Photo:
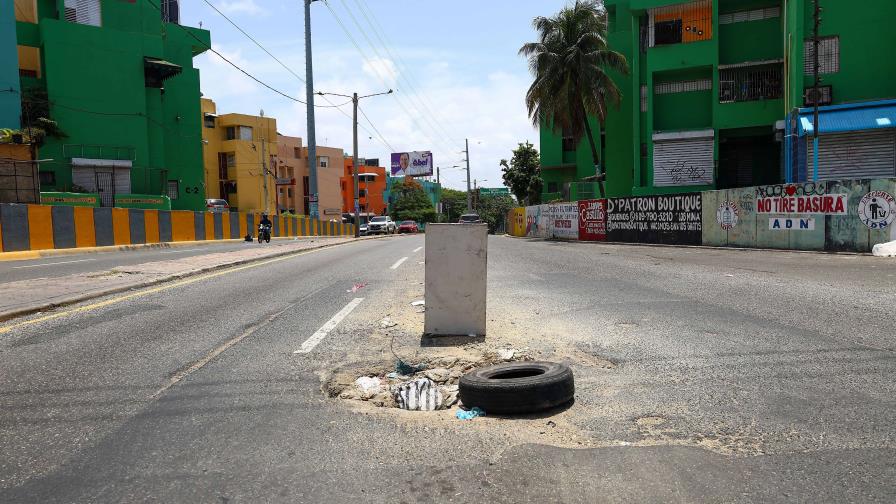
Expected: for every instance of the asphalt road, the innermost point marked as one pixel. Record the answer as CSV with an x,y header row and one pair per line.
x,y
732,377
89,262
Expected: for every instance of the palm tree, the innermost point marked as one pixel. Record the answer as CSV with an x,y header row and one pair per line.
x,y
569,64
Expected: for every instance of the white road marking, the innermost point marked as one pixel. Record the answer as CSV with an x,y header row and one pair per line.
x,y
398,262
53,263
418,249
331,324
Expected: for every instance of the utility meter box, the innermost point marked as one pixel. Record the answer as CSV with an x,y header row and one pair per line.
x,y
456,271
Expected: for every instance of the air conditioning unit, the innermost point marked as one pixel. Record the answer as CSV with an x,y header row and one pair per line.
x,y
825,96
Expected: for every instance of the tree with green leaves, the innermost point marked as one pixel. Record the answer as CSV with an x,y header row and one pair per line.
x,y
493,209
411,202
570,64
454,204
523,174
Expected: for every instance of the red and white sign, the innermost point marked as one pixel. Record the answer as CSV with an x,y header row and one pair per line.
x,y
593,220
826,204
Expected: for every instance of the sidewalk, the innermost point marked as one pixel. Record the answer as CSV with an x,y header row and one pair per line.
x,y
30,296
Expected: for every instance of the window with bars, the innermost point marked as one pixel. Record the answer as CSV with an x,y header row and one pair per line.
x,y
828,55
208,120
323,161
173,189
238,133
643,97
740,83
85,12
682,86
569,143
750,15
226,160
680,24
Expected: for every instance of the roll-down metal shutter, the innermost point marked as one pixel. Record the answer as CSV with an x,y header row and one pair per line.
x,y
683,159
855,155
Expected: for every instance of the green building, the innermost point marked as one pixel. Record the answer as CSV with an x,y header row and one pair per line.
x,y
118,78
10,104
720,92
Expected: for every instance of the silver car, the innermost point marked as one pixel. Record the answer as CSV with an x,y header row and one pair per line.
x,y
217,205
381,224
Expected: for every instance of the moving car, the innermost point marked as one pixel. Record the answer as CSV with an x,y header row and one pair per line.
x,y
217,205
381,224
469,219
408,226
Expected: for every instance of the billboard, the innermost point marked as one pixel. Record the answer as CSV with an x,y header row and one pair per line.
x,y
413,164
593,220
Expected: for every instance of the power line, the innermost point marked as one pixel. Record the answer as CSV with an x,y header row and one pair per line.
x,y
376,72
288,69
377,29
374,127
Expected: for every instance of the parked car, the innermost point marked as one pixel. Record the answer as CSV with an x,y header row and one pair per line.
x,y
217,205
469,219
408,226
381,224
363,231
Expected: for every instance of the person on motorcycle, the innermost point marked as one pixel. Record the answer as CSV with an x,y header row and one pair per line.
x,y
265,221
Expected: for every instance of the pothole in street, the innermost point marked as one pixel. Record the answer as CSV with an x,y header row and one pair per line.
x,y
430,381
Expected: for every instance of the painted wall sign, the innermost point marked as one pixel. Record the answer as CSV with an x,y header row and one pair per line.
x,y
827,204
564,220
877,209
672,219
727,215
593,220
791,224
537,221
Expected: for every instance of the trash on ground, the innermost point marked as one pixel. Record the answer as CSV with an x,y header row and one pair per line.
x,y
387,323
450,395
469,414
369,386
392,376
421,394
403,368
356,287
884,249
438,375
418,303
518,387
506,354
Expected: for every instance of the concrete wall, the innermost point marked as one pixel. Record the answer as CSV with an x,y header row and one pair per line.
x,y
40,227
851,215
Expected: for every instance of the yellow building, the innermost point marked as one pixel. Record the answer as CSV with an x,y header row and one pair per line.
x,y
239,153
292,174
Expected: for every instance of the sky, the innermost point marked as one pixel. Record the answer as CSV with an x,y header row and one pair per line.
x,y
453,66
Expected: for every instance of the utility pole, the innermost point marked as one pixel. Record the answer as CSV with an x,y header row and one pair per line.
x,y
469,194
355,99
309,94
816,42
264,168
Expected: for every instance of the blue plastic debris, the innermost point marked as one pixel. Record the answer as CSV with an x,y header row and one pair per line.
x,y
469,414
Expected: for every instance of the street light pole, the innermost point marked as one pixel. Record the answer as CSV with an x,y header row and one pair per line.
x,y
309,94
469,195
355,99
264,169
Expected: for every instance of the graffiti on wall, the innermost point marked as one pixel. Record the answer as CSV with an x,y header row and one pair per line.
x,y
593,220
877,209
727,215
673,219
564,221
537,220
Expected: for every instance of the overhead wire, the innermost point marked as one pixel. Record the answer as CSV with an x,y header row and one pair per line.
x,y
288,69
373,22
375,70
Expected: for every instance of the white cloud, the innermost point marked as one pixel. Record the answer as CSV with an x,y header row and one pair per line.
x,y
241,7
381,69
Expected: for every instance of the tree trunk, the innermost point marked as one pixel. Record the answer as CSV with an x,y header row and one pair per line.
x,y
594,157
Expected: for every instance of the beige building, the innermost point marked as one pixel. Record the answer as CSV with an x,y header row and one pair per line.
x,y
292,172
240,154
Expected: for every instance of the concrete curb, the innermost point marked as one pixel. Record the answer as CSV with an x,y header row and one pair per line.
x,y
21,312
37,254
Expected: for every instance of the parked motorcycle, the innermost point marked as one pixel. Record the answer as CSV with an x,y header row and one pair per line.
x,y
264,233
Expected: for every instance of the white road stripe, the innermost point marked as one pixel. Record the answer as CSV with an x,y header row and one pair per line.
x,y
53,263
418,249
331,324
398,262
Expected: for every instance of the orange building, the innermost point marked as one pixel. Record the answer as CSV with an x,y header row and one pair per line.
x,y
372,187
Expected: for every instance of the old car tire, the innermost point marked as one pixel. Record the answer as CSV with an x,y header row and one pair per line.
x,y
518,387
